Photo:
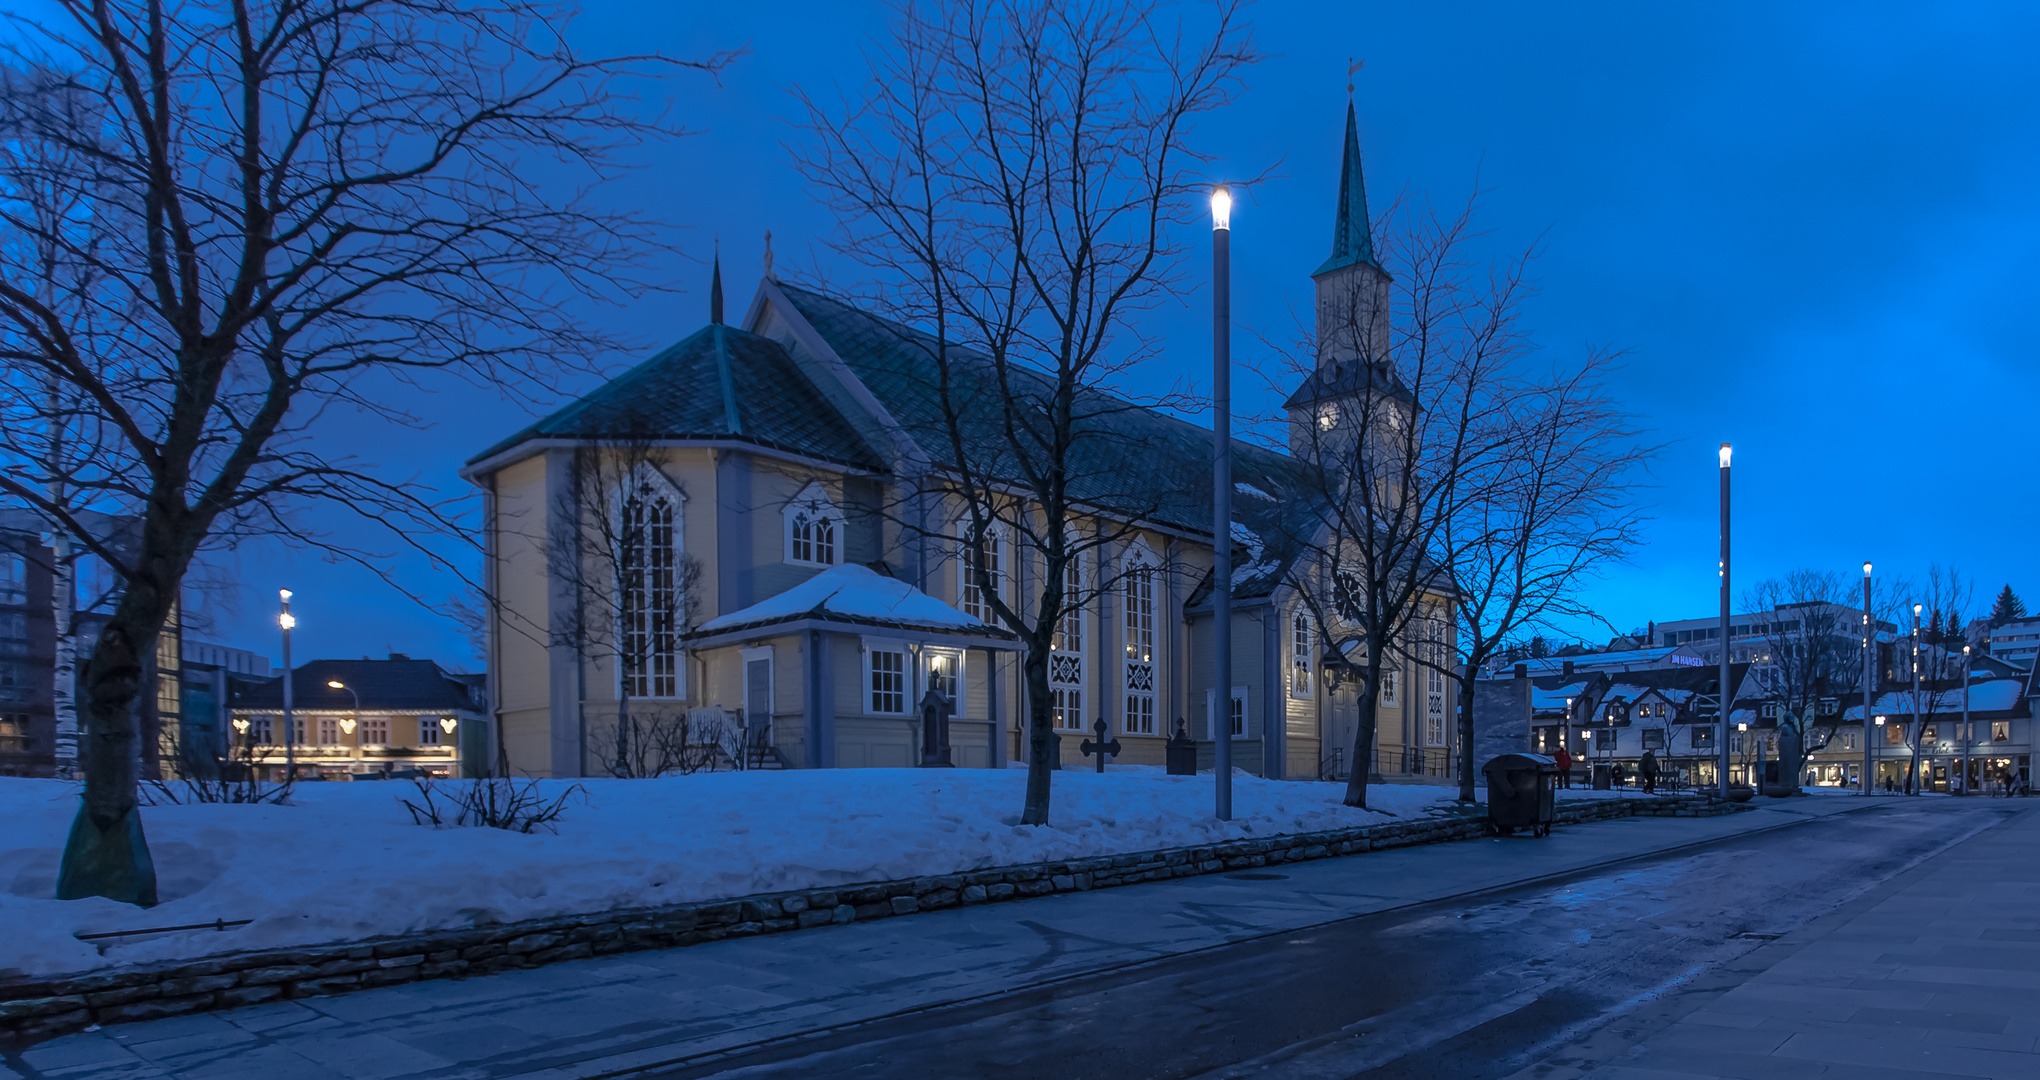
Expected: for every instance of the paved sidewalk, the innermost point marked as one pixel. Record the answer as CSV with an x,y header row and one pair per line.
x,y
1934,975
597,1017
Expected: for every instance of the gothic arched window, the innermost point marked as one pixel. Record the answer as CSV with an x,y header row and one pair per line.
x,y
814,529
1138,587
649,600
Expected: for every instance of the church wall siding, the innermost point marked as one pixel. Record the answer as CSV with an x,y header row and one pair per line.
x,y
521,585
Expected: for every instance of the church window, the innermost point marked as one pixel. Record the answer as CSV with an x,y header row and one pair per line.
x,y
1434,630
649,542
1139,588
1390,697
988,555
1300,656
887,678
1066,653
814,529
1236,711
1346,597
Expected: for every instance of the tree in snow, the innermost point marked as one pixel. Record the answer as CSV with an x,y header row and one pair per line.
x,y
2008,606
1810,623
277,209
1011,175
611,540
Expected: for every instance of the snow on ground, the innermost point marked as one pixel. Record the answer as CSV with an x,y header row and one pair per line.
x,y
345,861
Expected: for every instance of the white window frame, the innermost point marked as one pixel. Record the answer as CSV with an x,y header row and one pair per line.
x,y
1391,688
329,731
872,648
959,659
1303,655
996,554
371,726
428,731
1238,714
1066,661
809,509
1140,640
667,685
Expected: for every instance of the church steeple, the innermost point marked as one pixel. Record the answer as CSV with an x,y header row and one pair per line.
x,y
715,290
1352,238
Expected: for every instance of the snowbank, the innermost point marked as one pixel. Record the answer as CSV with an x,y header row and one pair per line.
x,y
345,861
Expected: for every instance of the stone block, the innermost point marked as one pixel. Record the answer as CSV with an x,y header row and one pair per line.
x,y
807,919
203,984
351,966
973,894
531,943
248,995
22,1008
905,905
156,1008
794,905
761,909
125,994
389,976
1001,891
336,984
878,910
823,900
842,913
412,960
42,1027
482,952
940,898
579,951
445,969
1062,882
443,956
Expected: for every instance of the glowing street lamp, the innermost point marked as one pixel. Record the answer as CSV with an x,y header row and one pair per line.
x,y
1221,498
1869,673
1727,691
347,726
288,622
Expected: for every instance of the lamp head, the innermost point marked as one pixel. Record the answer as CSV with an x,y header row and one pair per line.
x,y
1724,455
284,594
1221,208
286,620
336,684
1866,568
1880,721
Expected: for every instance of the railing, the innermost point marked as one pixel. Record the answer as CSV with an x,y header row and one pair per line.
x,y
1430,761
1333,765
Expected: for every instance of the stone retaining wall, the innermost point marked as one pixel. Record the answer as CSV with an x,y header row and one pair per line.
x,y
41,1007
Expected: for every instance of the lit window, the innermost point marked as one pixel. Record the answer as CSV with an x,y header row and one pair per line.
x,y
888,681
1140,643
1300,656
329,731
986,556
2000,730
428,731
945,676
650,642
262,731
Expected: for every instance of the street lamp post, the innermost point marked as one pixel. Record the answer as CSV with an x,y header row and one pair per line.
x,y
1727,692
349,726
1880,734
287,621
1221,497
1869,673
1919,734
1963,761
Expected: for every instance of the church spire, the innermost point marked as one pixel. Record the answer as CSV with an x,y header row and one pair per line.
x,y
1352,238
715,290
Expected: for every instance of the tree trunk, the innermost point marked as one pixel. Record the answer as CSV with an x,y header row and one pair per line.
x,y
107,854
1040,736
1363,738
1466,683
64,685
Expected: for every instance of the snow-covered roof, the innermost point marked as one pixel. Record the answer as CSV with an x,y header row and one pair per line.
x,y
852,593
1555,700
1996,695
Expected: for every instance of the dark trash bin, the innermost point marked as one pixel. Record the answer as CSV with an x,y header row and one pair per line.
x,y
1520,788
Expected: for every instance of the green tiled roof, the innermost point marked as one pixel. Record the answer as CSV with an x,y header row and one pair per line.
x,y
719,383
1129,459
1352,235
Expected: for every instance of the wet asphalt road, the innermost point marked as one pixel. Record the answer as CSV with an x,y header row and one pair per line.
x,y
1460,989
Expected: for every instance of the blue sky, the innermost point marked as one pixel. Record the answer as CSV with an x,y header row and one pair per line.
x,y
1813,227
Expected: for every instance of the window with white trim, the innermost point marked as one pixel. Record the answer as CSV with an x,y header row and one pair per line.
x,y
814,529
885,680
428,731
649,603
1391,696
944,675
1236,714
1302,641
262,731
329,731
1138,587
1066,653
375,731
1436,650
989,554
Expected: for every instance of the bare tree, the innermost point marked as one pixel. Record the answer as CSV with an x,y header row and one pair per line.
x,y
1554,508
1403,427
289,207
1009,175
1811,625
635,596
1945,589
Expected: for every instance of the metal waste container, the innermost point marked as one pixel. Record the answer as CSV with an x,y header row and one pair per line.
x,y
1520,795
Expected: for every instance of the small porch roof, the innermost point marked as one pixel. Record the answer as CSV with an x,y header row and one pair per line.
x,y
851,599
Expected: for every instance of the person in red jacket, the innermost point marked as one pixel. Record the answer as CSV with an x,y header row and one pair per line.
x,y
1564,767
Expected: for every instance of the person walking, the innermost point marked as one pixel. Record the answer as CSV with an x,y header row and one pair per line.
x,y
1564,767
1648,769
